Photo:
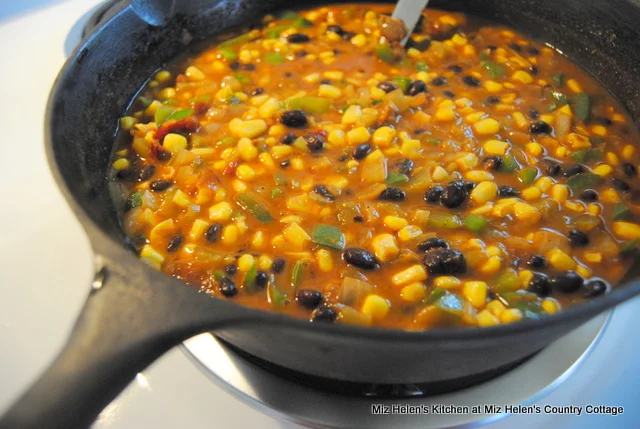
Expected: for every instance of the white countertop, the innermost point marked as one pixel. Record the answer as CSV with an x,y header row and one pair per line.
x,y
46,267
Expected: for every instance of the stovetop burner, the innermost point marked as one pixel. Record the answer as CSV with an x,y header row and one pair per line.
x,y
319,403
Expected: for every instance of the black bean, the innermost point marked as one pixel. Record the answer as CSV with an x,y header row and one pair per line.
x,y
285,164
257,91
568,282
358,218
294,119
540,127
448,94
468,185
343,158
228,287
537,262
533,70
432,243
387,86
323,191
146,173
175,243
325,82
160,185
432,196
360,258
492,162
262,279
392,194
128,174
301,54
277,266
308,298
578,238
444,261
455,68
601,120
492,47
515,47
533,51
572,170
361,151
213,233
324,314
315,142
438,81
552,168
471,81
594,288
298,38
620,185
416,87
404,166
629,170
348,35
533,114
493,99
288,138
540,285
234,65
248,67
508,191
231,269
335,29
453,196
163,155
589,195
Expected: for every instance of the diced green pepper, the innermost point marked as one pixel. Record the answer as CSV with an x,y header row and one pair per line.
x,y
629,247
375,102
396,179
279,179
289,15
228,54
527,175
301,22
276,193
450,303
507,281
530,310
228,141
558,79
401,82
509,164
620,211
275,295
310,104
475,223
559,98
586,155
250,203
135,200
385,53
582,181
146,102
330,236
236,40
582,106
176,115
274,32
483,56
515,296
162,113
218,275
203,98
296,275
422,66
274,58
495,70
242,78
434,296
443,220
250,278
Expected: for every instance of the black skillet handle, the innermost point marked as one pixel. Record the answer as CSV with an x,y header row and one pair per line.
x,y
130,319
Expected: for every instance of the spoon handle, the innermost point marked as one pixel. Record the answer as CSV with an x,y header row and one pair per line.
x,y
409,11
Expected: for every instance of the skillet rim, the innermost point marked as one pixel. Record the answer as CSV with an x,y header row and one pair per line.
x,y
100,240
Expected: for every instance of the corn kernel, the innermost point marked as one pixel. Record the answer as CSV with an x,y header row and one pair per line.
x,y
447,282
230,235
359,40
486,126
627,230
385,247
560,193
526,213
411,149
511,315
584,272
491,266
444,114
484,192
384,136
296,235
181,199
493,86
247,150
414,292
550,305
258,240
574,86
522,77
358,136
221,211
478,175
485,318
494,251
244,172
467,161
612,158
593,257
246,262
324,260
496,308
594,209
194,74
496,147
531,193
198,229
264,262
603,170
281,151
121,164
609,196
475,292
560,260
174,143
628,152
151,256
525,277
394,222
534,149
578,141
415,273
329,91
544,183
375,306
336,137
409,232
352,114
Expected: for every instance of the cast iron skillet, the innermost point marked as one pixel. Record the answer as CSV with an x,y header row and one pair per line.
x,y
134,314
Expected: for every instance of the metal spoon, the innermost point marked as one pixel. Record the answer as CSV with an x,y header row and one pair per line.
x,y
409,12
